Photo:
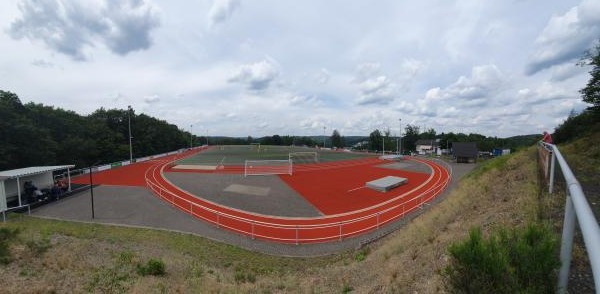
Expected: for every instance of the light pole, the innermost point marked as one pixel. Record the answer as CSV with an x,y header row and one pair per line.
x,y
206,137
92,192
92,188
191,138
129,123
400,137
324,136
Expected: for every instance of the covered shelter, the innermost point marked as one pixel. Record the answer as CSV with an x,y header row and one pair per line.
x,y
465,151
11,183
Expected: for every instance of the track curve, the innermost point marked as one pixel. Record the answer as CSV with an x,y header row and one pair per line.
x,y
299,229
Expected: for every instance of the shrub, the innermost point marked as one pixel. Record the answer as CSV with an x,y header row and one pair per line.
x,y
523,261
361,255
38,247
152,267
533,255
242,277
7,236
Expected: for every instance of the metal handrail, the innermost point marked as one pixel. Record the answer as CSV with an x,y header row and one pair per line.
x,y
577,209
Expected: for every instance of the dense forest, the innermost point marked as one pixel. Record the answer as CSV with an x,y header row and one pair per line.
x,y
35,135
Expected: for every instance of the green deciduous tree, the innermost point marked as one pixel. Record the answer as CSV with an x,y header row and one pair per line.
x,y
591,92
411,135
336,139
375,140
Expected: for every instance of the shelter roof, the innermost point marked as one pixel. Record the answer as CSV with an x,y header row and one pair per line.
x,y
29,171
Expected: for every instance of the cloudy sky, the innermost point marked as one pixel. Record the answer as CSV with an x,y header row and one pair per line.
x,y
265,67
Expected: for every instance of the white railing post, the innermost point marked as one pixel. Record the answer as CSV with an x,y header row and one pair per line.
x,y
252,234
378,220
566,247
297,235
551,181
340,231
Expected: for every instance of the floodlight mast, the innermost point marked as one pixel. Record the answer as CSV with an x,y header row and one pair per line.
x,y
400,137
130,137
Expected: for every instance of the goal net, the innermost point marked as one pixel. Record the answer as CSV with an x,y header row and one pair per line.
x,y
255,146
304,157
267,167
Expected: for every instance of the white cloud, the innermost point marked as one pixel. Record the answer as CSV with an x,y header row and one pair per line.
x,y
256,76
373,87
322,77
376,90
73,27
221,10
152,99
43,63
566,37
485,81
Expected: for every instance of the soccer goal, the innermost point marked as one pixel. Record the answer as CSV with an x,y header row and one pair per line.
x,y
304,157
255,146
267,167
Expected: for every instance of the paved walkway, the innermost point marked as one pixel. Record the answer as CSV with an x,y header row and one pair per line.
x,y
138,207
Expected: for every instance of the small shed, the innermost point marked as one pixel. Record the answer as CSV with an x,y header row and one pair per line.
x,y
500,151
465,151
427,146
11,182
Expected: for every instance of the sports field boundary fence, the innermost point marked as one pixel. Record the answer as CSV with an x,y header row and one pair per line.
x,y
323,229
576,209
118,164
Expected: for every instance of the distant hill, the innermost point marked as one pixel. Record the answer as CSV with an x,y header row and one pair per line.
x,y
523,140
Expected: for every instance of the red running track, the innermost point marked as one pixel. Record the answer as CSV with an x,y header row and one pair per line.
x,y
298,229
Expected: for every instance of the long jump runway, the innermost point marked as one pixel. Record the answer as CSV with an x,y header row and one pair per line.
x,y
338,205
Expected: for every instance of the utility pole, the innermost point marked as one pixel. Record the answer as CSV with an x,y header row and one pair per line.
x,y
400,137
129,123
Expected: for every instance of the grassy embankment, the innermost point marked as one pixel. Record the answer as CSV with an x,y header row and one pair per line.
x,y
56,256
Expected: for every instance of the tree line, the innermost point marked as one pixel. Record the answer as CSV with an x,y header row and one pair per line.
x,y
382,140
35,134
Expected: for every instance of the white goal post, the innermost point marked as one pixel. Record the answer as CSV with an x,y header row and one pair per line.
x,y
267,167
255,145
304,157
